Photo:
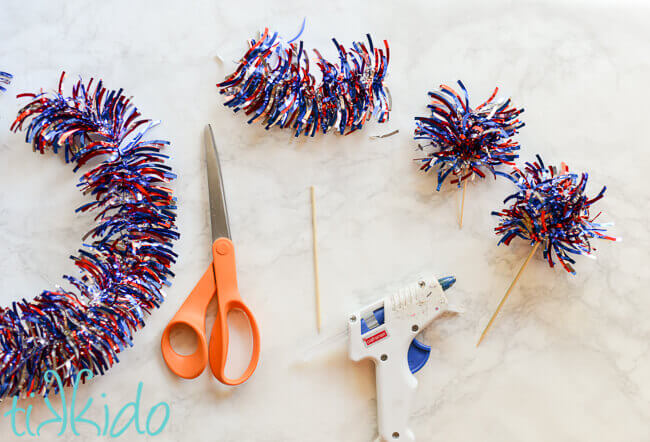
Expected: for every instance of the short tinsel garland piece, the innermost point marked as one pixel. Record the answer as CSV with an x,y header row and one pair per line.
x,y
275,83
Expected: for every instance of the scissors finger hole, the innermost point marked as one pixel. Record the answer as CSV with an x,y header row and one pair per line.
x,y
183,339
241,344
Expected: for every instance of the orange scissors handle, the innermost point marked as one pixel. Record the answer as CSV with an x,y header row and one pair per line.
x,y
192,314
228,299
220,278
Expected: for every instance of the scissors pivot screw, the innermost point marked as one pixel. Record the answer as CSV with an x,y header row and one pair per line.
x,y
222,248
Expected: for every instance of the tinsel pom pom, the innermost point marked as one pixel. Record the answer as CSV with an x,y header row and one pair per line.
x,y
551,207
126,257
275,83
5,79
462,140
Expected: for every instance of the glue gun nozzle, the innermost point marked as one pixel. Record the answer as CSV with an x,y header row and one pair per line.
x,y
447,282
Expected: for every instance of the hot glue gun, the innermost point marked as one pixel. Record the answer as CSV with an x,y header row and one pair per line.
x,y
385,332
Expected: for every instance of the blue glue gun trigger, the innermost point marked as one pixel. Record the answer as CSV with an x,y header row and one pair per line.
x,y
418,355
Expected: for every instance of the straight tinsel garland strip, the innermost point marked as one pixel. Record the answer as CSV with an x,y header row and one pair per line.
x,y
273,82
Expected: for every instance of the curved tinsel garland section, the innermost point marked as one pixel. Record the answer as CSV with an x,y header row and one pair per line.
x,y
273,82
126,257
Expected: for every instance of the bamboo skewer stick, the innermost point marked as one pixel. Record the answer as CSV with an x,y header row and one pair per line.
x,y
462,205
315,247
503,300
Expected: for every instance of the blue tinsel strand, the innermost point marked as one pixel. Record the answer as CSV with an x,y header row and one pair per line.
x,y
551,206
126,258
466,140
5,79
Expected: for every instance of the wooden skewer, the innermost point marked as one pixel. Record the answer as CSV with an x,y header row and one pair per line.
x,y
462,205
315,247
503,300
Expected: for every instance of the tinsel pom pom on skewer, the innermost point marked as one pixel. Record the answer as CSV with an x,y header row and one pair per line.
x,y
550,209
126,258
5,79
275,83
464,141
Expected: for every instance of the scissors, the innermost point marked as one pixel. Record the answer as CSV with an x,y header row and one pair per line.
x,y
220,280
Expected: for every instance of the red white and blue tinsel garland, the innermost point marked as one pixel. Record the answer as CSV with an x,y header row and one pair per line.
x,y
273,82
126,257
551,207
465,140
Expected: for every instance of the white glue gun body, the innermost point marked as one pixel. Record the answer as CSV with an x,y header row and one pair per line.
x,y
385,332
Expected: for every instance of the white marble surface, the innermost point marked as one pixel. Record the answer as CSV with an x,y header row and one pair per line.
x,y
568,359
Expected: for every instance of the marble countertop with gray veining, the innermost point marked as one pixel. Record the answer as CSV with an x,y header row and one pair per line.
x,y
568,358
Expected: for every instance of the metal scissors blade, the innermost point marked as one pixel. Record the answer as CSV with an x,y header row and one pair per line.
x,y
218,209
